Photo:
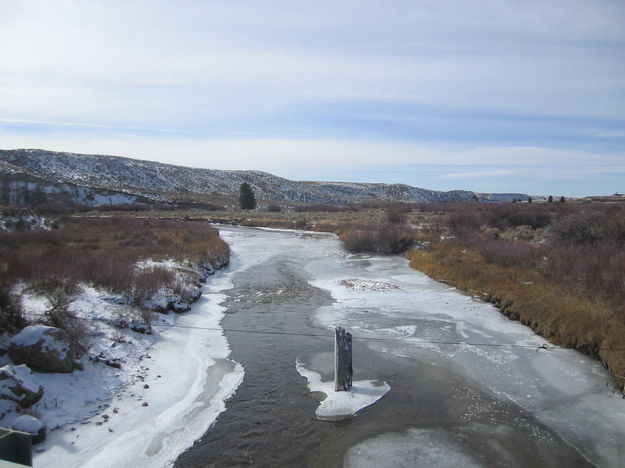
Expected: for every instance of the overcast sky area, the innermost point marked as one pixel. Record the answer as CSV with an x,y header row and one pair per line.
x,y
485,95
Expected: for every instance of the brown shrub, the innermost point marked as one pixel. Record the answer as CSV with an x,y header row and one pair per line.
x,y
591,225
383,238
146,281
510,216
51,208
463,224
103,251
11,314
509,253
395,215
326,207
124,207
596,271
58,315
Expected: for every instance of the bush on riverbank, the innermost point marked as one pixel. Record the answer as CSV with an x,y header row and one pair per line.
x,y
104,252
384,238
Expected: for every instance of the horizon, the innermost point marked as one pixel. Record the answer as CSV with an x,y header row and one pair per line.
x,y
491,97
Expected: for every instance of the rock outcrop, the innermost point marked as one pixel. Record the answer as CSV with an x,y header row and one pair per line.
x,y
43,348
33,426
18,385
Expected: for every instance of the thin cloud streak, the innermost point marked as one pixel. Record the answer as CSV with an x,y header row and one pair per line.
x,y
469,175
275,152
474,88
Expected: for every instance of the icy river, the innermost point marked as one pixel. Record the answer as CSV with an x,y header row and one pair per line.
x,y
240,375
467,386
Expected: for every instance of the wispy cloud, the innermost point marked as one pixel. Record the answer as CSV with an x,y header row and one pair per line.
x,y
605,133
139,63
473,174
296,86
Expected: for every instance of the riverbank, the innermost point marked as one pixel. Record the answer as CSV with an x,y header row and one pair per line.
x,y
568,320
170,388
121,298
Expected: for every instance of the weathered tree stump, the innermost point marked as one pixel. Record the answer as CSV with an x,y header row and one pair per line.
x,y
342,360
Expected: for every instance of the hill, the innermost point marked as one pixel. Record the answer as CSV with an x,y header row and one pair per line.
x,y
101,179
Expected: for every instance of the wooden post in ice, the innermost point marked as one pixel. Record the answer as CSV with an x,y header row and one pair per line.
x,y
342,360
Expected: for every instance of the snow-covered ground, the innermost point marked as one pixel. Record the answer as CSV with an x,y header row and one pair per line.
x,y
25,221
169,389
165,396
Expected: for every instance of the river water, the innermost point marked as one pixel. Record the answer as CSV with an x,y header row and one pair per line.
x,y
459,393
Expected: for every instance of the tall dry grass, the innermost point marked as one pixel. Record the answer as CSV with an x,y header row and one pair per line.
x,y
104,251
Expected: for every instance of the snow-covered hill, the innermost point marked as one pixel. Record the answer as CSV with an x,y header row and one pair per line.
x,y
166,182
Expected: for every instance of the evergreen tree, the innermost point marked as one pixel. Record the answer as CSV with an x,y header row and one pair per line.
x,y
529,199
247,201
562,199
550,199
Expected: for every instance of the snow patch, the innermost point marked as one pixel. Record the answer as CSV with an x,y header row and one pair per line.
x,y
34,334
27,423
24,376
340,404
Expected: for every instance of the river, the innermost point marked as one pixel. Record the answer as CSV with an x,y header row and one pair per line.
x,y
467,385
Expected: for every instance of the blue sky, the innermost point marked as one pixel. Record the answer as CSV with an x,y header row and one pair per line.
x,y
498,95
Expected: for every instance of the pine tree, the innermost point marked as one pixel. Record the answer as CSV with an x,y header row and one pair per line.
x,y
550,199
247,201
562,199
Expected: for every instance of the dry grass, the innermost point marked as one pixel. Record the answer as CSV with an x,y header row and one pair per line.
x,y
383,238
104,251
312,217
146,281
380,227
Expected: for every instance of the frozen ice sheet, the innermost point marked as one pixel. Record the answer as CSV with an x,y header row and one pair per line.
x,y
336,404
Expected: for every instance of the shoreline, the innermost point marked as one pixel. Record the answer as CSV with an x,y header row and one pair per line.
x,y
569,322
175,388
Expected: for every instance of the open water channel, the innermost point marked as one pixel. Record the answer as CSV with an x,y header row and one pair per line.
x,y
467,386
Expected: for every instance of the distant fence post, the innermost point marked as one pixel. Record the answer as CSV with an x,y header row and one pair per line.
x,y
342,360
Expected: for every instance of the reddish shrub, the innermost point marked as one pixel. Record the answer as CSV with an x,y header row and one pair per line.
x,y
103,251
384,238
